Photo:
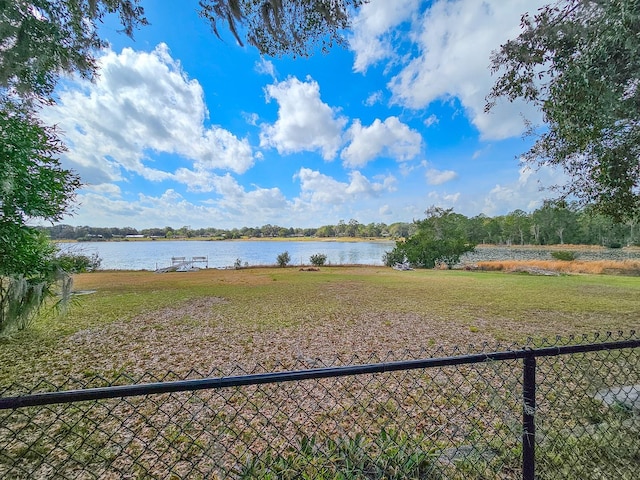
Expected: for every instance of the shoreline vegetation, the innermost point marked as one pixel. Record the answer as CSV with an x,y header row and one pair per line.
x,y
526,246
487,257
242,239
551,224
557,267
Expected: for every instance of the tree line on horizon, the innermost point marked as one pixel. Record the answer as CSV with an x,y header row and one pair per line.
x,y
554,223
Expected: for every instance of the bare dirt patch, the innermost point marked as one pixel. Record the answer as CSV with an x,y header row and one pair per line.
x,y
196,336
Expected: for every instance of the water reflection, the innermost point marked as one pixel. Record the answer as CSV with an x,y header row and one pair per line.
x,y
151,255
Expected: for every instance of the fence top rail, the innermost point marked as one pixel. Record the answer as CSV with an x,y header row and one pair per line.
x,y
120,391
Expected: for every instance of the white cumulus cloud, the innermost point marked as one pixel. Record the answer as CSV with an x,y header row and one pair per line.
x,y
319,189
141,102
438,177
373,25
455,41
449,54
232,206
391,138
305,123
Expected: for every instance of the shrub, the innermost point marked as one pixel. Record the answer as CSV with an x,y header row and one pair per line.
x,y
283,259
422,250
318,259
615,245
78,263
30,276
438,240
395,256
565,255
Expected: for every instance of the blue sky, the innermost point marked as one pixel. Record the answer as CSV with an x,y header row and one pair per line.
x,y
180,128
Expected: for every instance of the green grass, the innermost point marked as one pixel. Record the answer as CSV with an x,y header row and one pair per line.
x,y
139,322
458,305
389,456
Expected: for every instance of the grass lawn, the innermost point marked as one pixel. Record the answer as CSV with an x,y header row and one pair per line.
x,y
411,424
139,322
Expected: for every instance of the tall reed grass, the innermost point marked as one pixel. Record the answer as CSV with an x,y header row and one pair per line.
x,y
595,267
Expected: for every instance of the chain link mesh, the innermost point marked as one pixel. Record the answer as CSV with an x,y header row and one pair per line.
x,y
453,422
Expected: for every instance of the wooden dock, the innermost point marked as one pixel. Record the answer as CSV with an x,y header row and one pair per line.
x,y
184,264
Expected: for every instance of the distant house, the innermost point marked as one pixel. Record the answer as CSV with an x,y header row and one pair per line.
x,y
134,236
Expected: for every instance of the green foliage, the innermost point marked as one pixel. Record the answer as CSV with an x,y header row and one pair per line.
x,y
44,38
32,182
283,259
397,255
78,263
388,455
277,27
21,298
439,240
318,259
40,41
577,61
24,251
32,185
30,274
551,223
564,255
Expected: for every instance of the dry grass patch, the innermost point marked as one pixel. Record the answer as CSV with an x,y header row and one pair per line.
x,y
593,267
144,325
142,321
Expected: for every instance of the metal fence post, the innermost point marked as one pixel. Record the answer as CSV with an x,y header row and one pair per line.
x,y
528,417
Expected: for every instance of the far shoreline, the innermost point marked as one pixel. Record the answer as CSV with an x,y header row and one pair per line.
x,y
243,239
527,246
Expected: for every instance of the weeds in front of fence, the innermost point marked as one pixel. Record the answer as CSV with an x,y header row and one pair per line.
x,y
459,419
389,455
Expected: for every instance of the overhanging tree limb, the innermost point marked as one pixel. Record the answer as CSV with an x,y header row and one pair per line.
x,y
579,62
282,27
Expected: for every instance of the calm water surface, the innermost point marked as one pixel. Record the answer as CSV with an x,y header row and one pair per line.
x,y
150,255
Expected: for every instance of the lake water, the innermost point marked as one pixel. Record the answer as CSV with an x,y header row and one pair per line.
x,y
151,255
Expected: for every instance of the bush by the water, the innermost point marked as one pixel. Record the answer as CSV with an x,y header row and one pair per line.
x,y
565,255
283,259
318,259
438,241
78,263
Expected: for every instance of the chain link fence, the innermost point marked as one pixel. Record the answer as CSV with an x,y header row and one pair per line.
x,y
569,408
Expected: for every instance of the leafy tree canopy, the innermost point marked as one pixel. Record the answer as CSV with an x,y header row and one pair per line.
x,y
32,182
281,27
32,185
43,38
579,62
439,239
